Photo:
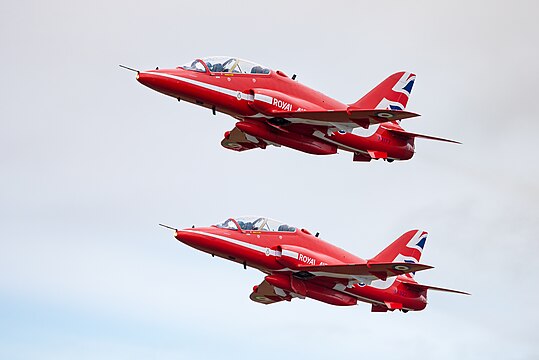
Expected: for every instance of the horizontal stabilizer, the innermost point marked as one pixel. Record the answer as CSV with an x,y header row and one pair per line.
x,y
420,287
372,271
414,135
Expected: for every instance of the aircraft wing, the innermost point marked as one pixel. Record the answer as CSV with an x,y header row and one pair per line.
x,y
349,117
265,294
367,272
237,140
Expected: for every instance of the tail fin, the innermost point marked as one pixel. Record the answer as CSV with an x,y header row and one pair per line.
x,y
407,248
392,93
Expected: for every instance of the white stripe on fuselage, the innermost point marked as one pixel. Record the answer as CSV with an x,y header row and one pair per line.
x,y
290,253
219,89
264,98
261,249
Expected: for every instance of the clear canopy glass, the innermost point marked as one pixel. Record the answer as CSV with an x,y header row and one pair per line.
x,y
257,223
227,64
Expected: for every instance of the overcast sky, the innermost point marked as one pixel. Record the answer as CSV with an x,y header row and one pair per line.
x,y
91,161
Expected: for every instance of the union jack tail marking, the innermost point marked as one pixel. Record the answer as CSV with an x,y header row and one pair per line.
x,y
392,93
407,248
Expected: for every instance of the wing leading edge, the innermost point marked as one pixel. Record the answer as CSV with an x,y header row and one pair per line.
x,y
360,117
367,272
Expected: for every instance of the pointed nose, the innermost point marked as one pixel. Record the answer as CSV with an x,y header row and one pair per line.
x,y
188,237
179,235
158,80
145,78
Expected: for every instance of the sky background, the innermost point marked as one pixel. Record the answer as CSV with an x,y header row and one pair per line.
x,y
91,162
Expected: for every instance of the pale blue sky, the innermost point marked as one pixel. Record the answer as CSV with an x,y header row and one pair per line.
x,y
92,161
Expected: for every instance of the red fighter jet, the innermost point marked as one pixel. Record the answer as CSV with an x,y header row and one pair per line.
x,y
300,265
273,109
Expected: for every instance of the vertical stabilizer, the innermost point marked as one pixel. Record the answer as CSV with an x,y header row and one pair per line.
x,y
392,93
407,248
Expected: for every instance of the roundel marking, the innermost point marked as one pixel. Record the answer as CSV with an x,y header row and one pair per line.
x,y
267,252
384,115
238,96
401,267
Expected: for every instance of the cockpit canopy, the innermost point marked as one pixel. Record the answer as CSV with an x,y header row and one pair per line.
x,y
255,223
226,64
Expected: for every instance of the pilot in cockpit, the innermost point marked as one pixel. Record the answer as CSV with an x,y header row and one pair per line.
x,y
217,67
246,225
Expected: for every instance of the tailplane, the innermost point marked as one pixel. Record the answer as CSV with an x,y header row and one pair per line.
x,y
412,285
400,132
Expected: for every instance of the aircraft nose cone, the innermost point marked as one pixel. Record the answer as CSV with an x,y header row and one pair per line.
x,y
152,79
157,80
186,237
144,78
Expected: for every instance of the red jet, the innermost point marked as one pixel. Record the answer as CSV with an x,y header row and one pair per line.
x,y
300,265
273,109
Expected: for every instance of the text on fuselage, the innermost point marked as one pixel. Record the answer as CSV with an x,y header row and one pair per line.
x,y
282,104
307,259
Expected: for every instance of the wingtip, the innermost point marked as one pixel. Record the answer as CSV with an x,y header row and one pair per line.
x,y
426,267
